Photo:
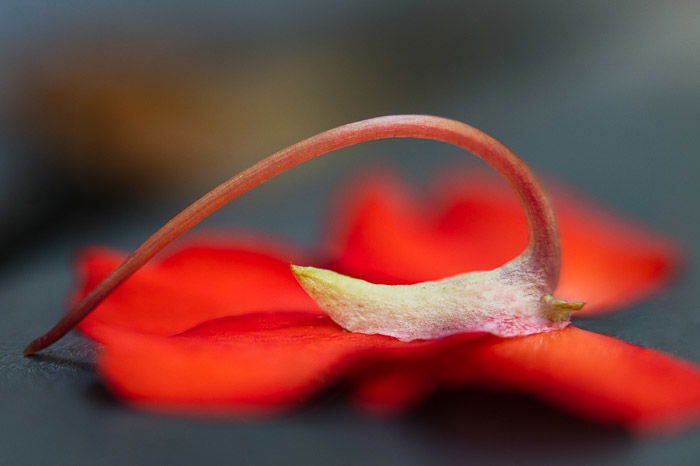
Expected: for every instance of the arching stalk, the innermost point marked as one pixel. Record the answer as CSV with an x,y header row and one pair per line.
x,y
541,257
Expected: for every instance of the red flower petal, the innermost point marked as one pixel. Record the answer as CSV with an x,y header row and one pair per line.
x,y
592,375
204,279
241,364
595,376
258,363
393,388
394,385
474,222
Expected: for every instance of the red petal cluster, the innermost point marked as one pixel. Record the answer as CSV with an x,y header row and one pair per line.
x,y
220,325
389,234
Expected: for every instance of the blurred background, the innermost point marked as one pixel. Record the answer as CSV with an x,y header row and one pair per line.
x,y
115,114
109,103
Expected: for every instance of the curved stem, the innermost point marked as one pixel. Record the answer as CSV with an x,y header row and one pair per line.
x,y
541,255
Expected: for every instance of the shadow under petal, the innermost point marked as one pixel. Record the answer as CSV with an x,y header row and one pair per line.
x,y
86,366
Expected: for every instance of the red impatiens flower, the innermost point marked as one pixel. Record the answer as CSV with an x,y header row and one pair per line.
x,y
221,324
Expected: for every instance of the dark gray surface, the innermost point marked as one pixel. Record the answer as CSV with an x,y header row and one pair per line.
x,y
603,97
55,410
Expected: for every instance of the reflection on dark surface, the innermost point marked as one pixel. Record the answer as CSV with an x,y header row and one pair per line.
x,y
512,422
